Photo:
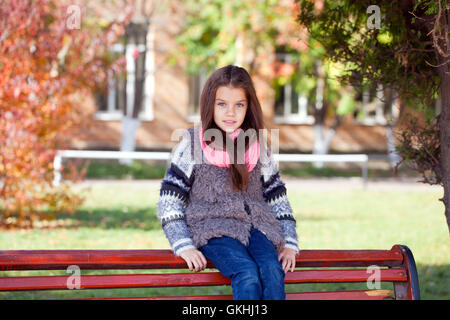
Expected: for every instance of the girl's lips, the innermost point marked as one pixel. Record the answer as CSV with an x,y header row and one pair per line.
x,y
229,122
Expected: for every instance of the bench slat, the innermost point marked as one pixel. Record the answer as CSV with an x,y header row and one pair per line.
x,y
325,295
327,276
342,295
165,259
186,279
114,281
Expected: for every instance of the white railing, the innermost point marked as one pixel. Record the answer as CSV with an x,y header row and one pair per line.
x,y
362,158
88,154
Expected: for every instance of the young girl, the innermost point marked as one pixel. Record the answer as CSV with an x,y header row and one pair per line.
x,y
227,203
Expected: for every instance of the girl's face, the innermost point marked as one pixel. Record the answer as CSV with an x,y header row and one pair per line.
x,y
230,107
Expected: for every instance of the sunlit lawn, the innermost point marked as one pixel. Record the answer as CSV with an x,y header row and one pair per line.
x,y
124,217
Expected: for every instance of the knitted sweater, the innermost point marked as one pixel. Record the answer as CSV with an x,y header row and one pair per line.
x,y
197,202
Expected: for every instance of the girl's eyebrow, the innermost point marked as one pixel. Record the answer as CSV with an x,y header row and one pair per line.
x,y
236,101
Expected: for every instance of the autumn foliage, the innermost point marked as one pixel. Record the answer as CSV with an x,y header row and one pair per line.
x,y
51,56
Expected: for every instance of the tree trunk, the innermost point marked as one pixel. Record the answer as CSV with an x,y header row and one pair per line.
x,y
128,143
321,142
444,126
393,156
136,74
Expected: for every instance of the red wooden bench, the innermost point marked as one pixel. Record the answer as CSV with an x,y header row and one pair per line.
x,y
313,266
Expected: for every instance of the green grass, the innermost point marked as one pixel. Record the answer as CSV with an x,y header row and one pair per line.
x,y
114,170
111,169
124,217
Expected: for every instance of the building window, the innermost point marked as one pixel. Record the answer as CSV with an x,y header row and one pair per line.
x,y
376,105
291,107
196,84
131,92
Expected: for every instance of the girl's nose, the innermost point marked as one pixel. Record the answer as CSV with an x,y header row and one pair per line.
x,y
230,110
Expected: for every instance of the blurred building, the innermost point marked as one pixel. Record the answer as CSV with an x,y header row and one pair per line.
x,y
168,99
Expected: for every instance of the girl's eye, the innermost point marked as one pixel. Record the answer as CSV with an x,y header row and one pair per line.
x,y
240,105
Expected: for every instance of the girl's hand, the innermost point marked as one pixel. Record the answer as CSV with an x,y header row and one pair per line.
x,y
287,259
194,259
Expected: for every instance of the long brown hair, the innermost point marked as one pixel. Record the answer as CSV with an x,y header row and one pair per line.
x,y
235,77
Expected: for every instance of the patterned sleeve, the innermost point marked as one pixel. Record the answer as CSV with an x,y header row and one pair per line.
x,y
174,194
275,195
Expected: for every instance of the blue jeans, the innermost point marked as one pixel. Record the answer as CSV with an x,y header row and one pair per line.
x,y
255,271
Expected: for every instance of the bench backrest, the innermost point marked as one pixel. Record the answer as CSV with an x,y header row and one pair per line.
x,y
313,266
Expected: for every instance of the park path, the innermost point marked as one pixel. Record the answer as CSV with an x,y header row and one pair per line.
x,y
355,183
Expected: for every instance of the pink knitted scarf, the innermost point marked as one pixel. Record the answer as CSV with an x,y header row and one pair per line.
x,y
221,158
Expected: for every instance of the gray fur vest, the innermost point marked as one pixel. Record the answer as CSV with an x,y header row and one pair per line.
x,y
214,209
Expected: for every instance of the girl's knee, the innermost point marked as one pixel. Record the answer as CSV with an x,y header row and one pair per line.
x,y
250,274
246,285
272,270
272,280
